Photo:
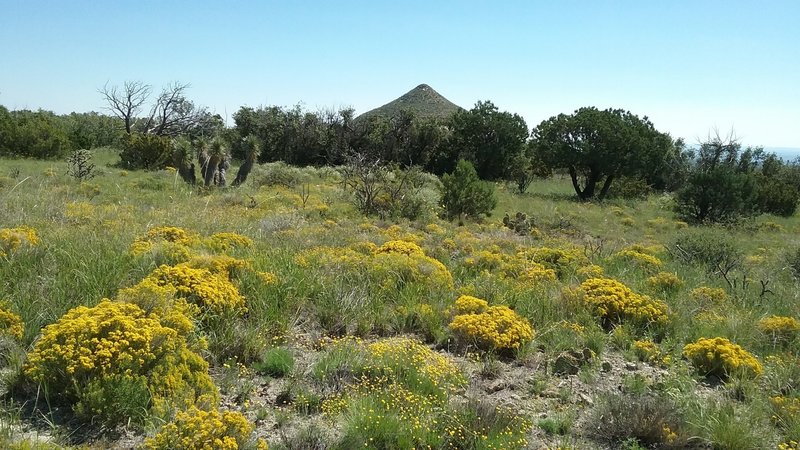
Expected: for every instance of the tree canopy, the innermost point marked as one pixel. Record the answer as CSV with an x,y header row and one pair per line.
x,y
489,138
596,146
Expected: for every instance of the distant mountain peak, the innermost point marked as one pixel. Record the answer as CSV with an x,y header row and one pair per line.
x,y
423,101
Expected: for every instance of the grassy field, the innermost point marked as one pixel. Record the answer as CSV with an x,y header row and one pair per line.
x,y
590,326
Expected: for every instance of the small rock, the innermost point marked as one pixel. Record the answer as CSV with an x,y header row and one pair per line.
x,y
606,366
567,364
585,399
631,366
495,386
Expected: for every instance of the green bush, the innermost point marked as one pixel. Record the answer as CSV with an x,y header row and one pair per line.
x,y
464,194
777,196
792,258
145,151
712,248
717,195
629,188
32,134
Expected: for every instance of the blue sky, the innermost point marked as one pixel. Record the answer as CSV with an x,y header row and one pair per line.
x,y
690,66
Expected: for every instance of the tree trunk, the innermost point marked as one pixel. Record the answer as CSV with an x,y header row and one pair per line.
x,y
210,170
244,171
606,185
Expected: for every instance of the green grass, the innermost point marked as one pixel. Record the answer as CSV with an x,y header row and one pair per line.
x,y
86,230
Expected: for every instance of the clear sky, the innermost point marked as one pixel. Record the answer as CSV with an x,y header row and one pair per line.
x,y
688,65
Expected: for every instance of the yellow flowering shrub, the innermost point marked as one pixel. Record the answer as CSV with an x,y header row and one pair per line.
x,y
489,327
401,247
590,271
720,357
646,261
614,302
467,304
709,295
169,234
200,429
646,350
10,323
222,242
161,300
79,212
781,329
391,265
398,360
211,291
117,342
665,281
218,264
561,260
12,239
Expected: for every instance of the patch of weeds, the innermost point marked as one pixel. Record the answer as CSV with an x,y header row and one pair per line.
x,y
276,362
559,424
647,420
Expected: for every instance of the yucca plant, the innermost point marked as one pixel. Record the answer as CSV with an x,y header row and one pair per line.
x,y
252,150
182,159
217,152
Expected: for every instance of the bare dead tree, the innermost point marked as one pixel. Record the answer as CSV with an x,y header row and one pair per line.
x,y
171,114
126,102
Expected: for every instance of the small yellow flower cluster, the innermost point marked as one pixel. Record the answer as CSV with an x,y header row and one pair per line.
x,y
590,271
646,350
665,281
646,261
709,295
614,302
211,291
789,445
434,228
490,327
267,277
222,242
199,429
172,242
780,328
668,435
467,304
537,274
161,300
391,265
115,339
12,239
79,212
401,247
720,357
218,264
572,326
10,323
785,410
561,260
175,235
517,266
402,353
